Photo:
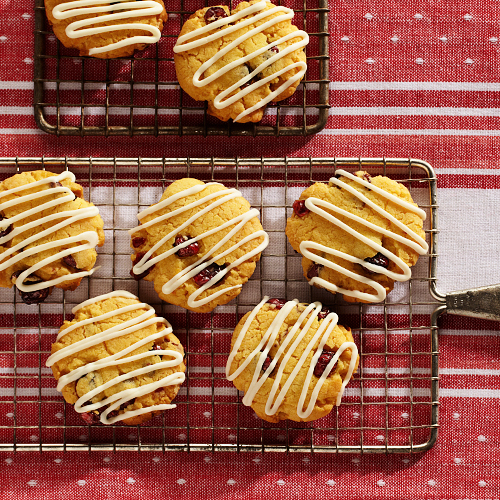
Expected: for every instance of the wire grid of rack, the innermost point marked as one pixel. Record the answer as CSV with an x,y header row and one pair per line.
x,y
391,404
140,95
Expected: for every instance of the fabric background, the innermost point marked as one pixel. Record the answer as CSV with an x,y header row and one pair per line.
x,y
417,79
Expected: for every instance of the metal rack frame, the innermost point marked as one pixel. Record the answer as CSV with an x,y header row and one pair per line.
x,y
314,93
218,421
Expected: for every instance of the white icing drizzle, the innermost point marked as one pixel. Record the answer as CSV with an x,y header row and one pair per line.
x,y
210,256
294,341
78,29
220,101
68,217
317,205
142,321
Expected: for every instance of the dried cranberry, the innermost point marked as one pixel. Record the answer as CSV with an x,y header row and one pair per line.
x,y
267,363
70,261
252,80
378,260
367,177
214,14
313,271
127,403
279,303
208,273
188,251
137,258
324,313
299,207
275,49
55,184
156,347
89,418
32,297
323,360
137,242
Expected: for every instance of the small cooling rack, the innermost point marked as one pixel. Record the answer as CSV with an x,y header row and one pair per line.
x,y
140,95
391,404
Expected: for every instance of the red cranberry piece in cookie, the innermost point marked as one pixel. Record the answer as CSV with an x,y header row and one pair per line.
x,y
137,258
275,49
207,274
313,271
138,242
89,418
70,261
324,313
32,297
267,363
278,303
191,249
367,177
378,260
214,14
323,360
299,207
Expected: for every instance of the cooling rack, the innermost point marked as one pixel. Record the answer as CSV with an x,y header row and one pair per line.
x,y
391,404
140,95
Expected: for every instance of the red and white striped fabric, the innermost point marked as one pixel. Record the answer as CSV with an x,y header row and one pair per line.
x,y
409,78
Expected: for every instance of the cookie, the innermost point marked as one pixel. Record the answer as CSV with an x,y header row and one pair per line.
x,y
198,245
241,60
117,361
357,235
291,360
48,234
106,30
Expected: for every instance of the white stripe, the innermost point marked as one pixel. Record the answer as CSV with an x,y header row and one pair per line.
x,y
470,333
467,171
443,86
16,85
20,371
350,392
413,111
427,371
470,393
468,371
433,86
395,131
341,132
21,131
366,371
272,111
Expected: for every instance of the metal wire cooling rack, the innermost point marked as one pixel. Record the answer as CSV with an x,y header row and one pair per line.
x,y
140,95
391,405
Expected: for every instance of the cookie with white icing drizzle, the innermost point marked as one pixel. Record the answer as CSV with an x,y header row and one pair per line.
x,y
358,235
116,361
106,29
292,360
239,61
199,244
48,233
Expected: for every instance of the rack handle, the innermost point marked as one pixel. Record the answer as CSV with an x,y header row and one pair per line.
x,y
481,302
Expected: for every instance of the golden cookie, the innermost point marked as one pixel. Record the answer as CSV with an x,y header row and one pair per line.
x,y
357,235
239,61
48,234
292,360
106,30
117,360
198,245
